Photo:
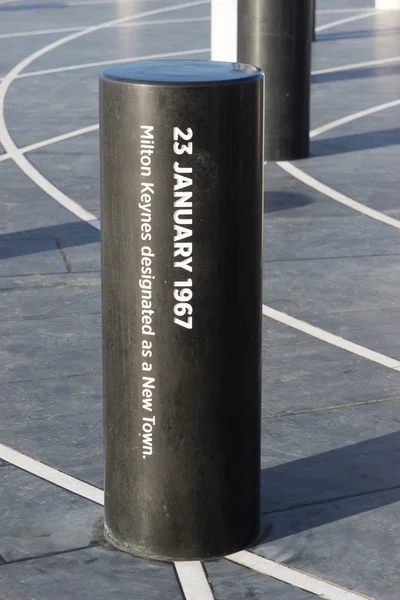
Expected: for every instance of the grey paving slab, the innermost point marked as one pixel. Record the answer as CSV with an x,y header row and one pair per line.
x,y
34,349
358,92
30,257
357,548
77,244
233,582
74,95
386,200
285,197
31,15
12,51
307,376
39,518
59,421
311,286
322,455
79,259
275,334
48,296
73,167
381,24
340,469
362,34
23,205
346,4
354,96
86,574
115,43
321,238
383,70
375,329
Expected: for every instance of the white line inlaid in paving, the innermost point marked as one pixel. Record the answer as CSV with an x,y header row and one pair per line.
x,y
299,579
193,581
348,67
330,338
344,21
339,197
191,574
361,65
67,482
332,11
53,140
353,117
330,192
115,61
17,34
7,141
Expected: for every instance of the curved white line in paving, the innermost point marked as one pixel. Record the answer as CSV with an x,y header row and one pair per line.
x,y
268,311
344,21
53,140
115,61
82,27
294,577
330,192
330,338
360,65
353,117
332,11
348,67
8,143
337,196
287,166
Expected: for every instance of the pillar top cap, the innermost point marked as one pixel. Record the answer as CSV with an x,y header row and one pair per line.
x,y
184,73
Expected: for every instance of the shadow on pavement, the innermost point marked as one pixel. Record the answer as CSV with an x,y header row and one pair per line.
x,y
330,486
275,201
32,241
356,142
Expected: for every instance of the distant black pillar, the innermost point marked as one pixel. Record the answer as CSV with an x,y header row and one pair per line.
x,y
181,217
314,35
276,36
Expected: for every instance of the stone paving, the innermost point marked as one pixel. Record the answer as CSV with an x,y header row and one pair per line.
x,y
331,442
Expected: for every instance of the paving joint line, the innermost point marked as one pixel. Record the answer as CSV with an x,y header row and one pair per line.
x,y
330,500
63,255
333,407
330,338
49,554
49,317
294,577
314,258
52,273
56,377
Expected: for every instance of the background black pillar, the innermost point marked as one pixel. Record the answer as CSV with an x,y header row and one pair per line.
x,y
181,212
276,36
314,23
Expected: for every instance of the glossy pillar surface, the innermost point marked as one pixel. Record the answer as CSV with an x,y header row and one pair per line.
x,y
181,209
276,35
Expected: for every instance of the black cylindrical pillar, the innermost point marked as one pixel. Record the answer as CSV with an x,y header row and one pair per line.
x,y
276,36
314,23
181,214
